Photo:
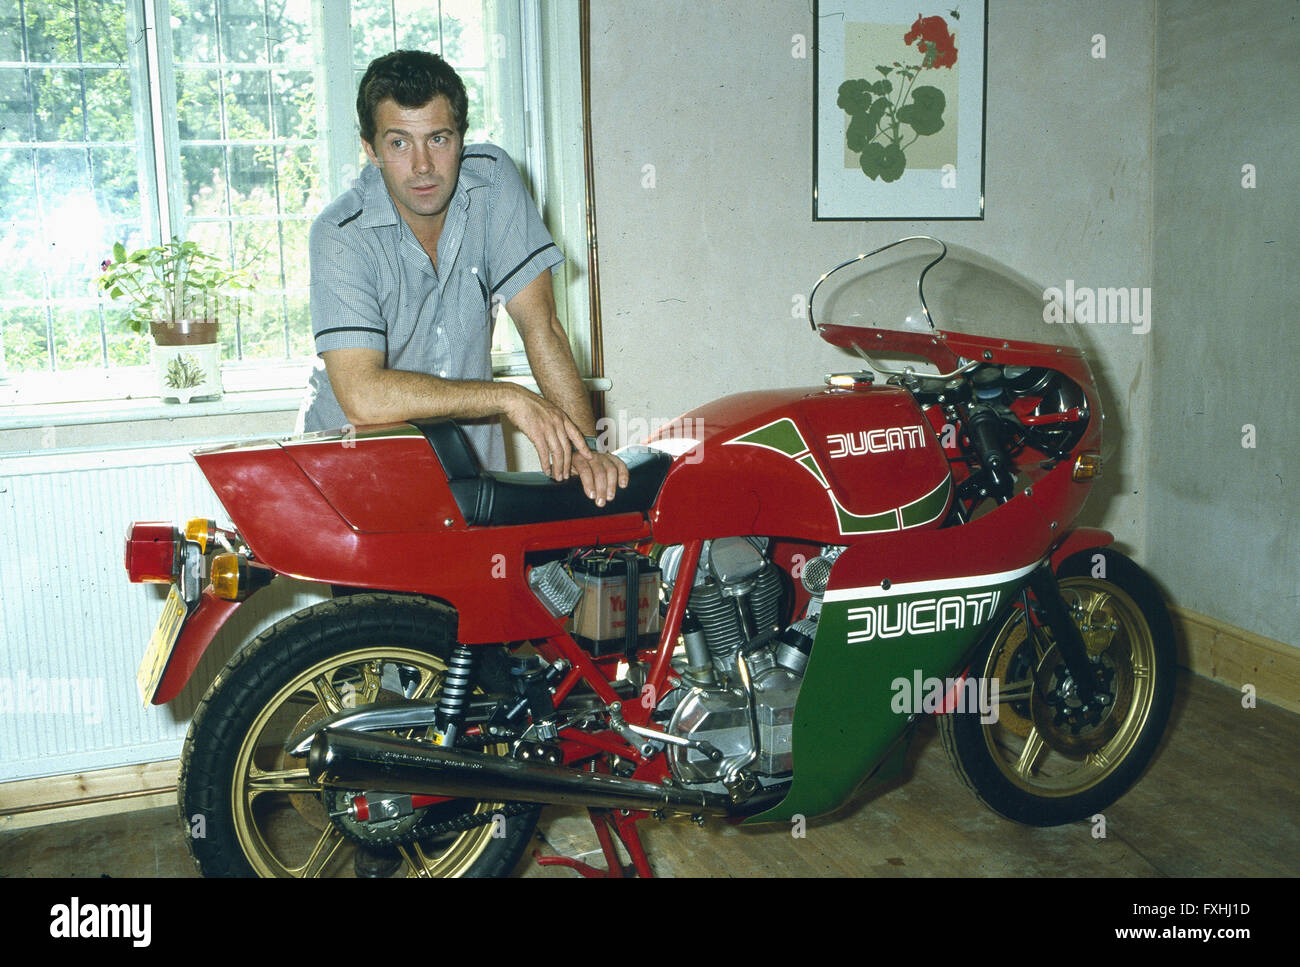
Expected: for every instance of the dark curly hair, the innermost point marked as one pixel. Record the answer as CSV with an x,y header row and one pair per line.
x,y
412,78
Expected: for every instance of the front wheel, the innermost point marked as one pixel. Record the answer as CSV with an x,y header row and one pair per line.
x,y
1046,759
251,809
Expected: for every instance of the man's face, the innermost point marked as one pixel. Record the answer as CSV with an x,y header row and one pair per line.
x,y
417,151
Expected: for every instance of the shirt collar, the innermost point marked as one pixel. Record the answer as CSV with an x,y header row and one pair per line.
x,y
377,208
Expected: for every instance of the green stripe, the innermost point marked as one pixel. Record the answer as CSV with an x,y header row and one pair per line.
x,y
781,435
929,507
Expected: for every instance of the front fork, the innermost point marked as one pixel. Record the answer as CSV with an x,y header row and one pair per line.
x,y
1064,631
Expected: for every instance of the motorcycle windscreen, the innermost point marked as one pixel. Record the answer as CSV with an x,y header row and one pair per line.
x,y
903,303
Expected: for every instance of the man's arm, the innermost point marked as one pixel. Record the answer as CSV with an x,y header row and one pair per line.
x,y
369,393
551,360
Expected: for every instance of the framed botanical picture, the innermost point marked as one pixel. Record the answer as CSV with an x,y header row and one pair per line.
x,y
898,103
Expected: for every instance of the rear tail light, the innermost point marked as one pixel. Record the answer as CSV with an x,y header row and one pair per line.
x,y
151,548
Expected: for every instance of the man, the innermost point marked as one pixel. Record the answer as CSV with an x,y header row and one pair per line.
x,y
404,270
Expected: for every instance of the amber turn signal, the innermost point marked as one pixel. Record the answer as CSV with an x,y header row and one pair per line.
x,y
1087,466
225,574
201,531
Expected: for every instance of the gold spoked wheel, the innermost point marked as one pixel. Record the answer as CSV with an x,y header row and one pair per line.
x,y
1060,749
281,816
1049,758
252,808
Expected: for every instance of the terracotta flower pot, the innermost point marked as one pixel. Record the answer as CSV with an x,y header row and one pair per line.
x,y
186,332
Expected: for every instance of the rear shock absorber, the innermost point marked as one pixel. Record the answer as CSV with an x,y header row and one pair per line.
x,y
455,692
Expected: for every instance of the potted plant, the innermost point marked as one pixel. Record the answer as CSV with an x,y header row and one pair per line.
x,y
178,293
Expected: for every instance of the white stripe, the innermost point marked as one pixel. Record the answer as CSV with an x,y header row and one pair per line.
x,y
673,446
922,587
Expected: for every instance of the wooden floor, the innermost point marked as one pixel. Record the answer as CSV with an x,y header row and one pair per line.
x,y
1220,800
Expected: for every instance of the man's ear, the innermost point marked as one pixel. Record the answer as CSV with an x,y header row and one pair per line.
x,y
370,153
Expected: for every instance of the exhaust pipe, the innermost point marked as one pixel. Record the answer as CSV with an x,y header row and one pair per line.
x,y
353,760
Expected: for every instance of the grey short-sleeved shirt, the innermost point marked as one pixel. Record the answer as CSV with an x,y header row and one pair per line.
x,y
373,286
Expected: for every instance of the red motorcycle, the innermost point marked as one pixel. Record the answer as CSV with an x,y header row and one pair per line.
x,y
749,630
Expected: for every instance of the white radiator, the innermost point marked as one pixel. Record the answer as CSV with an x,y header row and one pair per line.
x,y
73,630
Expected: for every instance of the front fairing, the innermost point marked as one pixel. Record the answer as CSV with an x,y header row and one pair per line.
x,y
924,307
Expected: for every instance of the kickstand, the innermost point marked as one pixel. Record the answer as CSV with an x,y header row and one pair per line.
x,y
624,827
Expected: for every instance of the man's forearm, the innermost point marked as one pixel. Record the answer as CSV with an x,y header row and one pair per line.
x,y
551,361
393,395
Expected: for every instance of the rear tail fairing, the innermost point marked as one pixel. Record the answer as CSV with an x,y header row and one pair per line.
x,y
372,508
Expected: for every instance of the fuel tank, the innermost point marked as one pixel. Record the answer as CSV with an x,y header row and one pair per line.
x,y
826,464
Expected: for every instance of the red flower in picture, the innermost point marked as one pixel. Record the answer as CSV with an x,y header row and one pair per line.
x,y
933,39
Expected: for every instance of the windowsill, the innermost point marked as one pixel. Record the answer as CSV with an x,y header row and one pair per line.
x,y
282,398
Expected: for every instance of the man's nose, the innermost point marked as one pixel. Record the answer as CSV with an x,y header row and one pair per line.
x,y
423,158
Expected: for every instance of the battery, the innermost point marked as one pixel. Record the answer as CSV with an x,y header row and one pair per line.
x,y
599,624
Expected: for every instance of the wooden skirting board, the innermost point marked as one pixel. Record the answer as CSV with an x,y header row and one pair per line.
x,y
81,795
1235,657
1208,647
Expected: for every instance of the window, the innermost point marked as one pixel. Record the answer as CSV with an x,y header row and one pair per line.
x,y
242,111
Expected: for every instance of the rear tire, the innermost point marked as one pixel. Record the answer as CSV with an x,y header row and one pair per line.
x,y
1040,763
251,809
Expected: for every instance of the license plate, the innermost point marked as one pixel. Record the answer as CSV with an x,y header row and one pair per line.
x,y
161,642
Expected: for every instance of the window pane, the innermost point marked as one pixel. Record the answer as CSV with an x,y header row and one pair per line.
x,y
125,346
51,31
198,105
194,33
248,105
463,41
11,32
205,181
15,106
108,106
289,28
299,180
372,30
418,26
56,99
243,32
77,343
26,346
294,104
115,175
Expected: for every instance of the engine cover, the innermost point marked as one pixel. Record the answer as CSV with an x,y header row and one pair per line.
x,y
721,718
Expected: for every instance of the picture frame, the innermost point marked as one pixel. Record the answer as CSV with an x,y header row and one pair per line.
x,y
898,110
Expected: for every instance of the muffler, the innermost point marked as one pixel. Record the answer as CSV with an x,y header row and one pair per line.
x,y
353,760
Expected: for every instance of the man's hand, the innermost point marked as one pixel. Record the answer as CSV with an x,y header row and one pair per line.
x,y
602,474
557,439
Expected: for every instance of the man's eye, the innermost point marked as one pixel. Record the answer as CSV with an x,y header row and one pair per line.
x,y
397,143
439,139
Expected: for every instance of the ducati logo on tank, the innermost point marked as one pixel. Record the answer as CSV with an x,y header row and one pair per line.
x,y
783,436
875,441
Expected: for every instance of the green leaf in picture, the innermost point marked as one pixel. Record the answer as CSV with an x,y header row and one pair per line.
x,y
854,96
861,128
870,162
119,252
884,71
925,113
882,87
892,163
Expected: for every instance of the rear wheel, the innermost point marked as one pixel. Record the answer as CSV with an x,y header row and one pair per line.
x,y
252,809
1049,759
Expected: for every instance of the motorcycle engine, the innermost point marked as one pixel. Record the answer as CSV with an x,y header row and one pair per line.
x,y
742,671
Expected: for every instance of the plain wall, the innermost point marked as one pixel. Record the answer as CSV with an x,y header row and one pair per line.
x,y
1223,536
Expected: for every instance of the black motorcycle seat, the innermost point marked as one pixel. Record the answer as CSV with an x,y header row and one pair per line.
x,y
502,498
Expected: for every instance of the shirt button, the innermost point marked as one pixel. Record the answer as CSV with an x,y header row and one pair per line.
x,y
443,373
440,330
